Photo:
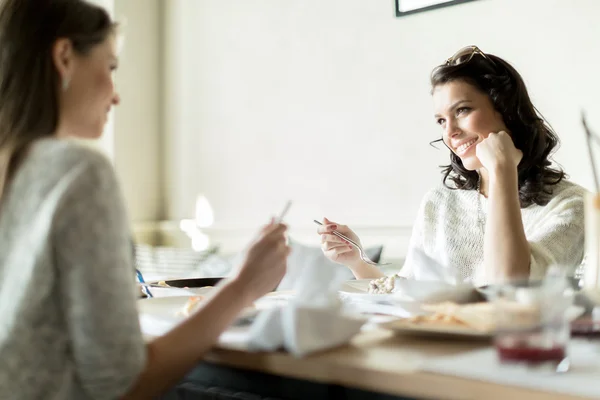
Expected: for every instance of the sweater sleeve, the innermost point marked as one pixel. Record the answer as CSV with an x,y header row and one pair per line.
x,y
96,282
558,238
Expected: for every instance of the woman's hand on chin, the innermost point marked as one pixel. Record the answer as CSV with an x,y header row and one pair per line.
x,y
498,154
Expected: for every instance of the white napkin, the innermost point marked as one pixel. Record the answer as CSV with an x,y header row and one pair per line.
x,y
312,320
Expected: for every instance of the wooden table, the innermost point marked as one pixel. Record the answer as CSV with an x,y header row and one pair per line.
x,y
382,362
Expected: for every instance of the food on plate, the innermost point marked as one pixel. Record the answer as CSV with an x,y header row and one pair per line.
x,y
435,318
383,285
190,306
478,316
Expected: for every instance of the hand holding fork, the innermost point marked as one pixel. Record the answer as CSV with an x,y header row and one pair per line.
x,y
341,245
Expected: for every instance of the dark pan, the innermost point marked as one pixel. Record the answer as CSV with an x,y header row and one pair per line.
x,y
193,282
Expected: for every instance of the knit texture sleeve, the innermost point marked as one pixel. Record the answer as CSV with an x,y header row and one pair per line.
x,y
558,238
96,283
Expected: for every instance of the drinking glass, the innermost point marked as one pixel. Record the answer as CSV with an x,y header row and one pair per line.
x,y
532,325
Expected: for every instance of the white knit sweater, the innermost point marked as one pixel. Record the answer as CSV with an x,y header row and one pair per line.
x,y
448,229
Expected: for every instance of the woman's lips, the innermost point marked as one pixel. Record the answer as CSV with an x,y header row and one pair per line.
x,y
463,148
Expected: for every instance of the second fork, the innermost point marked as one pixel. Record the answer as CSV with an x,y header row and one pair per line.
x,y
361,252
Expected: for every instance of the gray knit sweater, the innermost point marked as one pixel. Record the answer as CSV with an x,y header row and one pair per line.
x,y
69,326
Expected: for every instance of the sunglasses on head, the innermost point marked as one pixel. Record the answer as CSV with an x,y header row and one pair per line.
x,y
465,55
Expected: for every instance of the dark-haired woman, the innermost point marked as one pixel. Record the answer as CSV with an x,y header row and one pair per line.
x,y
69,326
503,211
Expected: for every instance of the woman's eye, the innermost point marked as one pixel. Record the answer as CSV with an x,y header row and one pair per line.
x,y
462,110
440,121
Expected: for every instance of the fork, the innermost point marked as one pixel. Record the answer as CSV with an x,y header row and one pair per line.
x,y
145,286
361,252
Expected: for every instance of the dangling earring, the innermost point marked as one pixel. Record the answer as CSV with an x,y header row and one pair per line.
x,y
65,84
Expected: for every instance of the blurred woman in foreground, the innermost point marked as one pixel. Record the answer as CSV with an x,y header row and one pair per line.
x,y
67,293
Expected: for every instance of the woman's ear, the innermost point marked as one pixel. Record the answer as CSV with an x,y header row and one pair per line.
x,y
63,58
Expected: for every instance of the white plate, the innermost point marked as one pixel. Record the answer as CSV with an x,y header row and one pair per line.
x,y
179,292
411,290
434,330
168,308
158,315
274,299
359,290
360,286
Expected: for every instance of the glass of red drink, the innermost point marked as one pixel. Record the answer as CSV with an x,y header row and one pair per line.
x,y
532,327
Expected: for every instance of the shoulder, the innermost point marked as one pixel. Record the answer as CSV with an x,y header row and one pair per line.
x,y
56,160
440,201
567,201
63,155
54,167
566,188
567,192
442,194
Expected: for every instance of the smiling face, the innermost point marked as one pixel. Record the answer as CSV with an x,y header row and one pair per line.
x,y
466,116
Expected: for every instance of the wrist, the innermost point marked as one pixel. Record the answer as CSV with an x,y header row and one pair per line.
x,y
362,270
237,290
357,265
503,174
504,184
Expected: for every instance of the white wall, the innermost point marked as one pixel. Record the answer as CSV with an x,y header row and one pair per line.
x,y
326,102
137,122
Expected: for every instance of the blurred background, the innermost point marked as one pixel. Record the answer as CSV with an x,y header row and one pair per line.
x,y
324,102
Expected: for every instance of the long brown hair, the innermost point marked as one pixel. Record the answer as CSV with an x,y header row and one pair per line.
x,y
530,131
29,81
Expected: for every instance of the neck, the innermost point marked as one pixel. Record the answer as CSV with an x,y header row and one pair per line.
x,y
63,129
484,181
61,133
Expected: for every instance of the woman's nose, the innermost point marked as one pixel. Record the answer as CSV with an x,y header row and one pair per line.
x,y
116,99
452,128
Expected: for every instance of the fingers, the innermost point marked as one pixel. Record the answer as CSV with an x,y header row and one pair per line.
x,y
270,234
335,253
329,242
330,226
327,222
326,246
498,135
332,238
281,250
274,230
268,226
327,228
274,245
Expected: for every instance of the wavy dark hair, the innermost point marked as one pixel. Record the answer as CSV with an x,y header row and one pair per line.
x,y
29,81
529,130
